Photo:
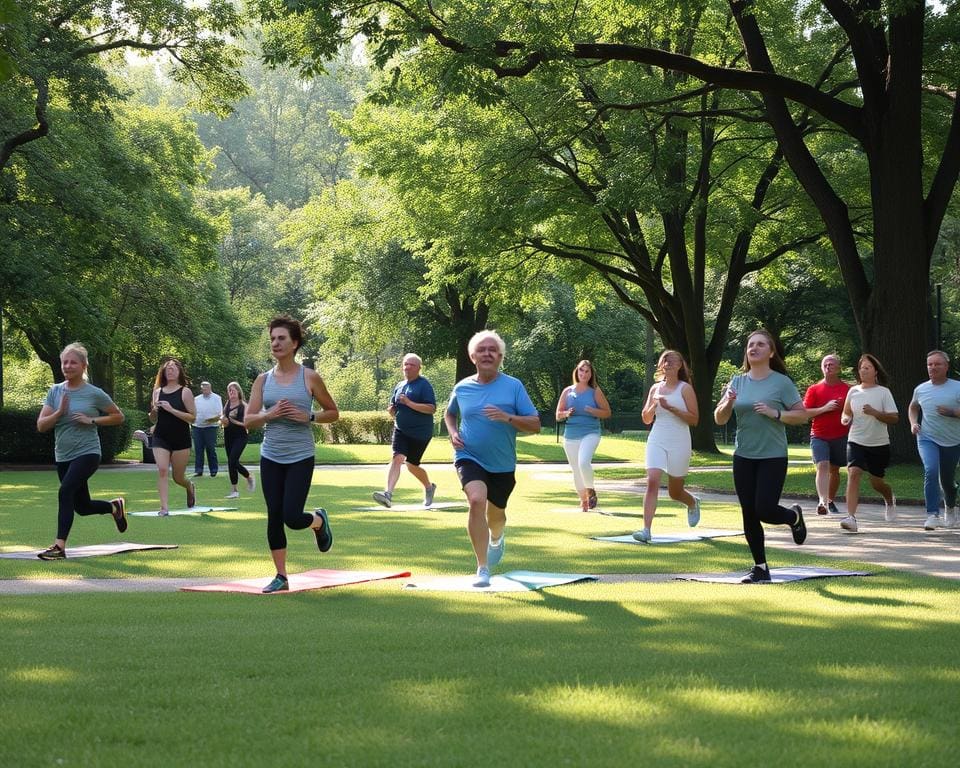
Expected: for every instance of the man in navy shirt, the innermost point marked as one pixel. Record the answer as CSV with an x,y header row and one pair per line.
x,y
412,405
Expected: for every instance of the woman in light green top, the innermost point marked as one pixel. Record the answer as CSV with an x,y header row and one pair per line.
x,y
74,409
764,399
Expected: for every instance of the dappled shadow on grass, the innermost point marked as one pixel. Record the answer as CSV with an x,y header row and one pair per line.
x,y
587,674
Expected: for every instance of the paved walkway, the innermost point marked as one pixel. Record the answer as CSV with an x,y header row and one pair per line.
x,y
901,545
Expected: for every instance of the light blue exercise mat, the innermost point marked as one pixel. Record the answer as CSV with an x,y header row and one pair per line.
x,y
673,537
90,550
513,581
198,510
777,575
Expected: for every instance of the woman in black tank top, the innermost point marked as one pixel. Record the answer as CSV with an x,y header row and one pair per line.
x,y
235,438
173,411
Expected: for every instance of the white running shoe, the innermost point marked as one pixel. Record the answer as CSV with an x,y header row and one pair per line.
x,y
693,513
643,536
233,495
849,523
950,518
890,510
933,522
251,483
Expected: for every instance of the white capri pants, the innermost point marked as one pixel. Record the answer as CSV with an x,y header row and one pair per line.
x,y
580,457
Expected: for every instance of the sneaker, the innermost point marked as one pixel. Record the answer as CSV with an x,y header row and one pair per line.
x,y
53,553
142,436
932,523
758,575
644,536
118,508
232,495
693,513
483,577
591,498
849,523
279,584
585,505
198,474
495,552
799,528
890,510
950,518
427,495
324,534
163,513
821,509
832,508
191,495
383,498
251,484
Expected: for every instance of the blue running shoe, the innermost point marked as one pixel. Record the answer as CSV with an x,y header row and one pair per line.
x,y
483,577
279,584
693,513
495,552
324,534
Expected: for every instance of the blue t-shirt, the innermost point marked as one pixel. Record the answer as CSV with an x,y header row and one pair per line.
x,y
491,444
943,430
759,436
580,423
412,423
72,439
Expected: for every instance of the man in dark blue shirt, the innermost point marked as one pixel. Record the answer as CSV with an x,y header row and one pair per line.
x,y
412,405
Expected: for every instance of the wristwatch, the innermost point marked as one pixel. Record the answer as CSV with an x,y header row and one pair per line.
x,y
313,417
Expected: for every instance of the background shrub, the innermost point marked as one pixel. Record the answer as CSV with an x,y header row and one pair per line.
x,y
22,444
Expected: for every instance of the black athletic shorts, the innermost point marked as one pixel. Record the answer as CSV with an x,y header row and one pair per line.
x,y
409,447
499,484
873,459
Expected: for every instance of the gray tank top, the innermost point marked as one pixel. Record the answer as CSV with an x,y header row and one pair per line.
x,y
286,441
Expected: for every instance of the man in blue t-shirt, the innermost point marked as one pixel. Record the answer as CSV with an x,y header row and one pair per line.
x,y
483,417
412,405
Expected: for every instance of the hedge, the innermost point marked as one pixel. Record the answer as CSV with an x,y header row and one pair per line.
x,y
355,427
22,444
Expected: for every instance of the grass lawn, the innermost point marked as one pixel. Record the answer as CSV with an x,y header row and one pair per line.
x,y
845,672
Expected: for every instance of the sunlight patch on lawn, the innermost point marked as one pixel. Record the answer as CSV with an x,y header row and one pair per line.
x,y
627,707
48,675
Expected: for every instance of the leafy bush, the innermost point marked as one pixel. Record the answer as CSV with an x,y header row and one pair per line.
x,y
22,444
355,427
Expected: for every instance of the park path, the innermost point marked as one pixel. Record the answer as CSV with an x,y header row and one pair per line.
x,y
902,545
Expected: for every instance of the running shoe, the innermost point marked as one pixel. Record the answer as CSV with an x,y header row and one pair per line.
x,y
483,577
324,534
932,523
191,495
232,495
849,523
821,509
890,510
693,513
251,483
383,498
758,575
644,536
495,551
53,553
799,528
118,508
279,584
427,495
592,500
832,508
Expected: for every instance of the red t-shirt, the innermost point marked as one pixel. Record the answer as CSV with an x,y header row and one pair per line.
x,y
827,426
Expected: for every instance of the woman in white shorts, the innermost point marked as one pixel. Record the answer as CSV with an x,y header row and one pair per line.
x,y
672,409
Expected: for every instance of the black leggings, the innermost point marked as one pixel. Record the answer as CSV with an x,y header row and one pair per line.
x,y
759,483
285,489
74,495
235,446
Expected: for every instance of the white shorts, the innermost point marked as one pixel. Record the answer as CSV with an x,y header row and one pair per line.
x,y
674,460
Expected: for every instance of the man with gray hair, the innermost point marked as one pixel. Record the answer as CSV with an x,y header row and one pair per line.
x,y
828,435
206,425
412,406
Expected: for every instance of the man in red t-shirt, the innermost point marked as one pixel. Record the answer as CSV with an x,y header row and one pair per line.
x,y
828,437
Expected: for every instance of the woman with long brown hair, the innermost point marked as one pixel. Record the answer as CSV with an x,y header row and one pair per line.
x,y
173,411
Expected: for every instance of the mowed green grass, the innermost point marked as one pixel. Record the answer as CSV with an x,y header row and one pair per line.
x,y
845,672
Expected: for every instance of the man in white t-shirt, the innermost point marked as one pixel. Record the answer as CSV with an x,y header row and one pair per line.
x,y
206,425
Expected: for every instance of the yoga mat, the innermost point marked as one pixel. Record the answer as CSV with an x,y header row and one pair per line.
x,y
777,575
415,507
90,550
198,510
513,581
675,537
320,578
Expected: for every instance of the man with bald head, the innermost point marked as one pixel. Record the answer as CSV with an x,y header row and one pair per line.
x,y
828,435
412,405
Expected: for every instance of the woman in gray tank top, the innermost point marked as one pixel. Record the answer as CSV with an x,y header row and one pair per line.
x,y
281,401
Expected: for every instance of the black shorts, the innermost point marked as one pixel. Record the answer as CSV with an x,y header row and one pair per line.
x,y
873,459
159,442
409,447
499,484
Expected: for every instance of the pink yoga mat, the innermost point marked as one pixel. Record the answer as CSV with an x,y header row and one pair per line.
x,y
321,578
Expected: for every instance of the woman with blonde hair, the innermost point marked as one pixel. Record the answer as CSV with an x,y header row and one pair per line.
x,y
582,405
74,409
173,411
235,438
672,409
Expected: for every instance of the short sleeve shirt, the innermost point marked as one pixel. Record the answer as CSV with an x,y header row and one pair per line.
x,y
758,436
827,426
864,429
943,430
411,422
491,444
72,439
